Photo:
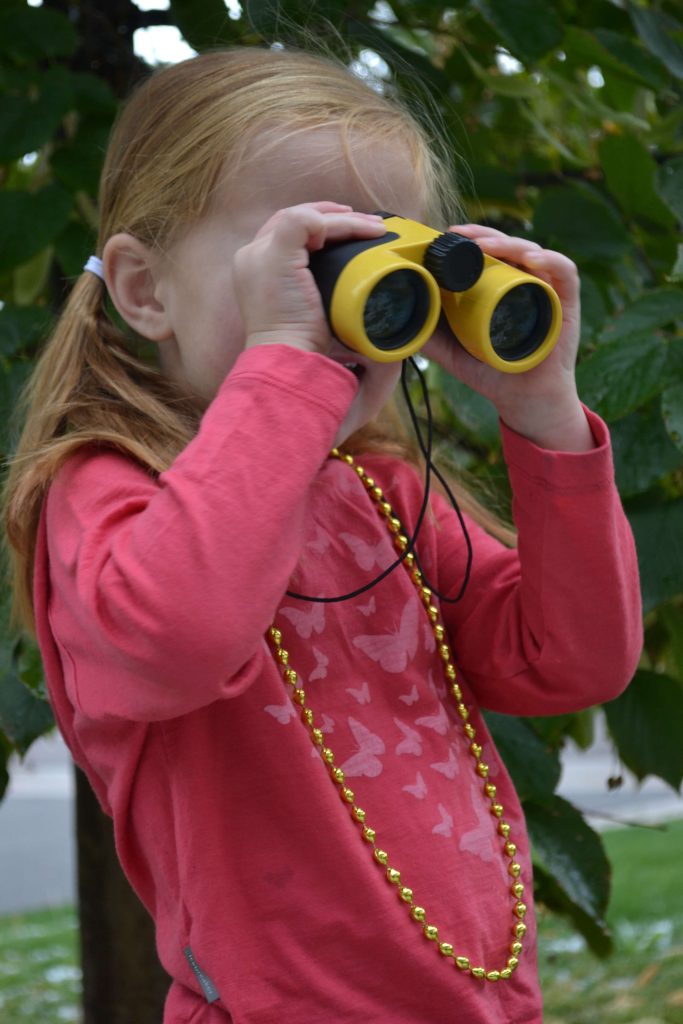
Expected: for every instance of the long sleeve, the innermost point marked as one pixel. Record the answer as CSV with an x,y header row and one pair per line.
x,y
554,625
175,580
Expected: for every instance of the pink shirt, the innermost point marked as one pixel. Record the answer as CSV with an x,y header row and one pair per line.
x,y
153,597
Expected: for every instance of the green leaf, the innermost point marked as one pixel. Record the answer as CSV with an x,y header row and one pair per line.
x,y
657,308
73,247
476,414
528,28
565,848
204,24
672,411
549,892
676,273
620,376
630,172
11,383
77,164
643,452
645,723
30,221
533,764
23,716
21,326
671,616
577,220
30,278
35,32
669,185
658,530
656,29
631,59
26,123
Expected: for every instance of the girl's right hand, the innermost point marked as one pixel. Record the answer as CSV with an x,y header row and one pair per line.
x,y
276,293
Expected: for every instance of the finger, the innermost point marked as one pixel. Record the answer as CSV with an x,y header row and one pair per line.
x,y
304,227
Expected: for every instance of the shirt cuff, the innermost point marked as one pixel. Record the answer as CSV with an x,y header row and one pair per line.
x,y
565,471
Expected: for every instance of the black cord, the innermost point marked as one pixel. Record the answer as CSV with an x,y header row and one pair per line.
x,y
426,449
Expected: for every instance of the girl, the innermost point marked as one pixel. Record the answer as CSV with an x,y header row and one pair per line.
x,y
305,796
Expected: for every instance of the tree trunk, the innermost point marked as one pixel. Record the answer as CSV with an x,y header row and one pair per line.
x,y
123,981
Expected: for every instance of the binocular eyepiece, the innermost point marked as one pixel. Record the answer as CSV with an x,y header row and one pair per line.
x,y
383,297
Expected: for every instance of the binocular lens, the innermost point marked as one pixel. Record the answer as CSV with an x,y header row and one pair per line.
x,y
396,309
520,322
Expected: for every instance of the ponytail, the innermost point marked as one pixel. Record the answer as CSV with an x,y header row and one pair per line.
x,y
87,388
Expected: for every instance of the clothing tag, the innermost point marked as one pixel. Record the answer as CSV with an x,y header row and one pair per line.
x,y
208,987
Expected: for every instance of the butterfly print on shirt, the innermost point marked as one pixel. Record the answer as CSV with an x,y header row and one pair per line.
x,y
449,768
419,790
409,698
369,555
320,542
437,722
445,826
411,742
393,650
320,670
306,623
362,695
282,712
480,840
365,761
368,609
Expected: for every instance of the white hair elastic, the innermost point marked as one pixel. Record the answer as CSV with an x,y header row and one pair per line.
x,y
94,265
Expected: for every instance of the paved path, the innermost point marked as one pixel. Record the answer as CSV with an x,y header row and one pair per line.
x,y
37,863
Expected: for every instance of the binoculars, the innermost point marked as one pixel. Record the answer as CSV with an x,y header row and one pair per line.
x,y
383,297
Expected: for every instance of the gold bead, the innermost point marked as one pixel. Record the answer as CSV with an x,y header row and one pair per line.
x,y
519,929
462,963
417,576
386,510
504,828
275,635
478,972
482,769
405,893
431,932
475,750
425,594
409,560
433,613
510,849
376,492
462,711
517,890
445,949
318,737
381,856
359,814
520,909
348,459
338,776
515,947
291,676
369,834
492,975
450,674
506,973
468,729
394,524
490,790
439,632
418,913
456,691
327,755
514,869
497,809
282,655
307,716
512,962
361,474
444,652
299,696
348,795
393,876
335,453
401,542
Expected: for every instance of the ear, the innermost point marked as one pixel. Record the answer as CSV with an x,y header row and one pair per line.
x,y
129,270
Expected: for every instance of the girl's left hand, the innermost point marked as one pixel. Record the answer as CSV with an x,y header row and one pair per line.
x,y
543,403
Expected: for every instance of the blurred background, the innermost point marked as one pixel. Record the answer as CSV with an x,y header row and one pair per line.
x,y
565,123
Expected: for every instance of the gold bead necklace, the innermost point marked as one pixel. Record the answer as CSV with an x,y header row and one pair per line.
x,y
392,874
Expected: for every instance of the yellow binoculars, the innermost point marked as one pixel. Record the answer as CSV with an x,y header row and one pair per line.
x,y
383,297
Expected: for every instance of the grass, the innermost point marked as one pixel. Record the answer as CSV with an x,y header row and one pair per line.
x,y
641,984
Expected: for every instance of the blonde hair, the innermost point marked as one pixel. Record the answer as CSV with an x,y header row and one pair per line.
x,y
165,158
